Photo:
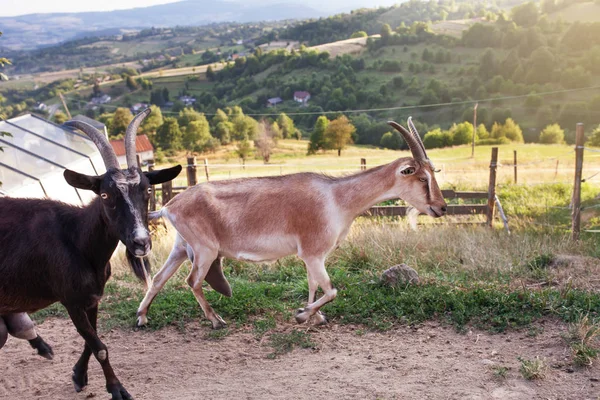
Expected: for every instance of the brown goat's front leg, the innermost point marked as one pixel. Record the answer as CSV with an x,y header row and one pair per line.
x,y
88,333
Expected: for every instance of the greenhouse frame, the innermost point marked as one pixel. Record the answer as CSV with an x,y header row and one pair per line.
x,y
35,154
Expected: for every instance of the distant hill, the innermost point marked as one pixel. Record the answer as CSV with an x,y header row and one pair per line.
x,y
35,30
582,12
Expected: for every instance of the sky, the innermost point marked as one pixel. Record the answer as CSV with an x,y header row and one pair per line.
x,y
12,7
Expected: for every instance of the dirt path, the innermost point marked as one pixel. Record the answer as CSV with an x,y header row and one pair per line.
x,y
431,362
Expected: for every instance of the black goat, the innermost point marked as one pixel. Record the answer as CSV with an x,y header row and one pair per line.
x,y
53,252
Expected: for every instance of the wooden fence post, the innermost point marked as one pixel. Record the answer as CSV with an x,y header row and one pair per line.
x,y
206,169
492,187
152,201
515,167
167,192
191,171
363,164
576,201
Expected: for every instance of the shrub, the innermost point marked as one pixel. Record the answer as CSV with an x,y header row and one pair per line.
x,y
437,138
391,140
493,141
462,133
594,139
552,134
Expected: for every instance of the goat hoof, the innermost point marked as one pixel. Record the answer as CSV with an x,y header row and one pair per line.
x,y
219,323
43,348
302,315
142,320
320,319
118,392
80,381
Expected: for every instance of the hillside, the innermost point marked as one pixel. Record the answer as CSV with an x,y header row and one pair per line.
x,y
35,30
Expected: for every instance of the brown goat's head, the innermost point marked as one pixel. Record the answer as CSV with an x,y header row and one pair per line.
x,y
415,176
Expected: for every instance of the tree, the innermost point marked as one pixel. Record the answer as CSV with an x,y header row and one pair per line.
x,y
317,137
437,138
359,34
552,134
220,116
286,124
462,133
487,64
223,132
169,135
243,149
152,122
386,32
509,130
525,14
131,83
60,117
120,121
594,139
391,140
338,134
188,115
210,74
265,140
196,134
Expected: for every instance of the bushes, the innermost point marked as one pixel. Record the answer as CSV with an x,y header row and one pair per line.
x,y
552,134
437,138
493,141
594,139
391,140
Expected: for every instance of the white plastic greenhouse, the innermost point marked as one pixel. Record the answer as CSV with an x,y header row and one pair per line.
x,y
35,155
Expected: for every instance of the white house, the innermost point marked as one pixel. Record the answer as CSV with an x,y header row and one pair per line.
x,y
301,97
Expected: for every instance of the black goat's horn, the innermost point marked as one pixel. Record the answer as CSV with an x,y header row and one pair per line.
x,y
130,135
106,150
415,147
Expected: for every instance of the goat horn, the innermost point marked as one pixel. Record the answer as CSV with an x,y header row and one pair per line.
x,y
106,151
413,144
414,131
130,135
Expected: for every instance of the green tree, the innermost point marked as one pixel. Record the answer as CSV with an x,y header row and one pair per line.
x,y
152,122
131,83
196,134
243,149
338,134
120,121
594,139
317,137
60,117
482,132
286,124
386,32
359,34
552,134
169,135
462,133
488,64
188,115
525,14
437,139
391,140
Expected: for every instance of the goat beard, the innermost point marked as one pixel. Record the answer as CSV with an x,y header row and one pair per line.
x,y
412,215
141,268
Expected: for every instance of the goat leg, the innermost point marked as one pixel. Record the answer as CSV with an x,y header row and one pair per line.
x,y
80,370
3,332
21,326
86,329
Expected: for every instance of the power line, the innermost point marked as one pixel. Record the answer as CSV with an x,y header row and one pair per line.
x,y
366,110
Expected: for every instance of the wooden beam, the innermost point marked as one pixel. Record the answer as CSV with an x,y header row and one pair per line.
x,y
400,211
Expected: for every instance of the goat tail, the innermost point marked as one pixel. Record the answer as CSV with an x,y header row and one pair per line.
x,y
141,268
154,215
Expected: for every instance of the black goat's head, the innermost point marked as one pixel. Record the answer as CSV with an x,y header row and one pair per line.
x,y
124,193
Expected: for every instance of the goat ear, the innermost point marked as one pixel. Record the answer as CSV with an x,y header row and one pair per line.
x,y
81,181
407,170
163,175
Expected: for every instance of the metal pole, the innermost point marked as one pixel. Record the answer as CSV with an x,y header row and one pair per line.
x,y
576,211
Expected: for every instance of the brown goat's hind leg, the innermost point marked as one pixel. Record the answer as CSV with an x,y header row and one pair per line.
x,y
200,267
86,330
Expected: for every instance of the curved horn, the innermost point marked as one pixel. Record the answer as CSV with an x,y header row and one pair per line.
x,y
106,150
413,144
130,135
413,130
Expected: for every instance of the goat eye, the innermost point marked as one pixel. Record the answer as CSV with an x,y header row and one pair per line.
x,y
104,196
423,179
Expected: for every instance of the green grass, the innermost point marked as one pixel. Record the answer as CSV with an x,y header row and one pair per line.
x,y
533,369
285,342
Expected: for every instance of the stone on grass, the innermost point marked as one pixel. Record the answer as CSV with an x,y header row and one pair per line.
x,y
400,275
